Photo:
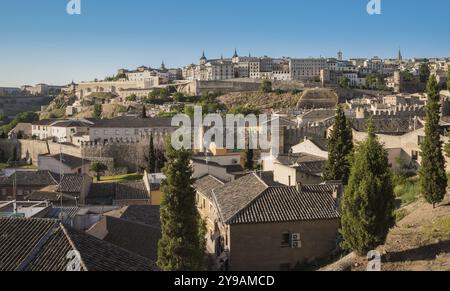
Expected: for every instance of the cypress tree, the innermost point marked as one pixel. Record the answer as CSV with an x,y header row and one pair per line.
x,y
182,246
249,163
432,176
448,78
144,112
340,148
368,203
151,166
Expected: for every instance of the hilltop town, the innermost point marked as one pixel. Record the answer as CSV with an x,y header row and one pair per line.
x,y
91,162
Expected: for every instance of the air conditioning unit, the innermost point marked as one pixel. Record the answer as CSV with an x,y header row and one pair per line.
x,y
296,241
296,244
295,237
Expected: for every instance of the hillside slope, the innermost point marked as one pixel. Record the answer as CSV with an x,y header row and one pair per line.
x,y
419,242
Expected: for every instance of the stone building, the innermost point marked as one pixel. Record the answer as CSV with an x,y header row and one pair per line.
x,y
256,224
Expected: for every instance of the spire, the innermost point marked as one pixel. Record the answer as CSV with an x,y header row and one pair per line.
x,y
400,57
235,53
203,56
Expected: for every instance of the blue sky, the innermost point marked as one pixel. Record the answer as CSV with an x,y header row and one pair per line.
x,y
39,42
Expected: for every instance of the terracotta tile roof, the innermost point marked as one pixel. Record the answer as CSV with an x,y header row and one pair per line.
x,y
234,196
287,204
43,245
251,200
106,193
30,178
206,184
146,214
135,237
72,183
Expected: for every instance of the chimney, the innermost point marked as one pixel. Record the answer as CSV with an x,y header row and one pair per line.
x,y
299,186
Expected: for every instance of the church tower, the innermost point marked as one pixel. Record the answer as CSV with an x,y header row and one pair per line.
x,y
203,59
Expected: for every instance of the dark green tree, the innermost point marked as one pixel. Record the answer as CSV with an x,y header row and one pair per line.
x,y
144,112
131,98
340,148
160,159
424,72
368,203
266,86
151,167
182,246
249,161
448,78
98,168
2,156
432,176
14,155
344,82
98,110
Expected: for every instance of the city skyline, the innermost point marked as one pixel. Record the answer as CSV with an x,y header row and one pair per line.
x,y
48,45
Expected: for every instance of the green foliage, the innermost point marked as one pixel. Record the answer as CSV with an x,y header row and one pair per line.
x,y
144,112
245,110
376,81
98,110
424,72
24,117
3,158
433,179
158,96
131,98
340,148
182,246
208,102
368,203
266,86
151,166
344,82
407,76
99,168
116,78
249,160
279,92
407,190
448,78
178,97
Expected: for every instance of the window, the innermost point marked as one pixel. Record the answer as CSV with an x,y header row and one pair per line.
x,y
286,239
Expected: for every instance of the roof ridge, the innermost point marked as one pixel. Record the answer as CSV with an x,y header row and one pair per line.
x,y
74,248
252,200
260,179
249,204
217,179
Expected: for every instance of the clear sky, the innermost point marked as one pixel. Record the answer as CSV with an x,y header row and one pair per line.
x,y
40,42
